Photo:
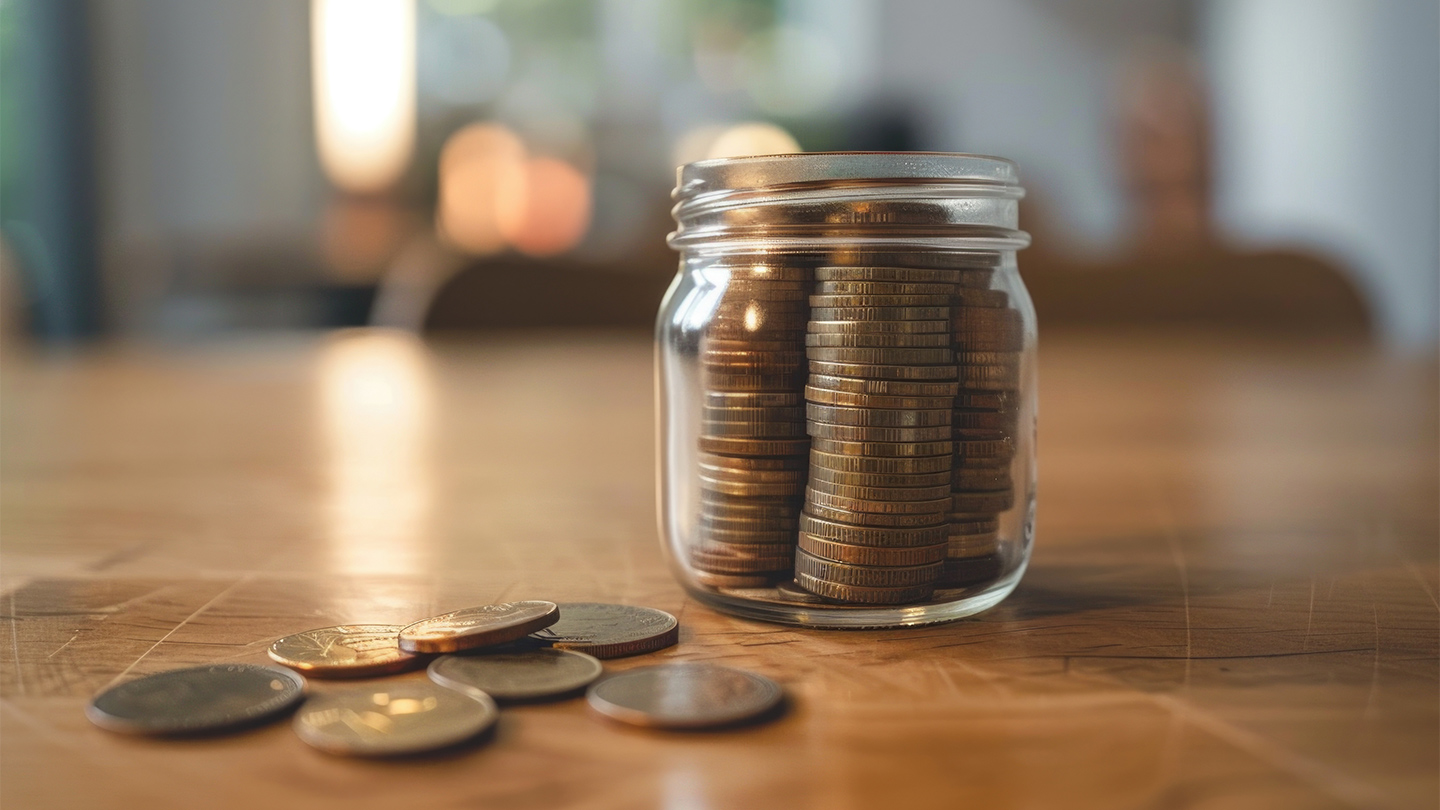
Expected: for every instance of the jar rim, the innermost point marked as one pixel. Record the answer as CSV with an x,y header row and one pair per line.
x,y
770,171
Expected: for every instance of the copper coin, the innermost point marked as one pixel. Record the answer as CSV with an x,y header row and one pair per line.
x,y
891,520
844,399
745,463
879,340
817,325
880,465
763,488
974,526
764,272
984,420
882,449
897,388
842,532
971,545
393,719
752,399
862,433
878,417
1000,400
867,479
872,493
983,479
842,592
998,451
883,288
760,429
481,626
871,555
894,274
901,356
870,371
717,580
933,313
344,651
744,537
611,631
753,447
684,696
826,301
518,676
1000,501
197,700
867,576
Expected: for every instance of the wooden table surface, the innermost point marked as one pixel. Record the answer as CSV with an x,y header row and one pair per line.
x,y
1232,601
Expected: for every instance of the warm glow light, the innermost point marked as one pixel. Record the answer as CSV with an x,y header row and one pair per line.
x,y
363,66
376,411
547,209
753,138
476,165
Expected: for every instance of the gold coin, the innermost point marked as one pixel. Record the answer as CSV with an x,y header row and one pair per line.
x,y
870,596
871,555
855,433
864,479
481,626
907,275
883,288
867,576
746,488
828,301
744,463
890,417
394,718
883,372
714,344
981,478
843,532
988,525
933,313
727,360
897,388
742,537
971,571
983,501
873,464
853,327
883,449
766,292
765,272
875,519
751,476
611,631
846,399
718,381
749,399
774,504
737,526
527,675
344,651
850,503
871,493
850,354
878,340
1000,450
753,447
966,297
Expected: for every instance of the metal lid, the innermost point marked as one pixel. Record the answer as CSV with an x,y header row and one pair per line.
x,y
769,171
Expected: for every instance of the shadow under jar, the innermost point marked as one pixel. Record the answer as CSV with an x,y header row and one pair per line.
x,y
846,388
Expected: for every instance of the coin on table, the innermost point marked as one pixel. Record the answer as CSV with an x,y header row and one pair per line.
x,y
684,696
529,675
393,719
197,699
345,651
480,626
611,631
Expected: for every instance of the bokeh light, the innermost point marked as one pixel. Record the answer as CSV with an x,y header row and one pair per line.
x,y
363,60
548,210
753,138
477,165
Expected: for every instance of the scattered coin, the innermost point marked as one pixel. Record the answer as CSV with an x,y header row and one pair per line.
x,y
528,675
685,696
345,651
197,699
612,631
393,719
480,626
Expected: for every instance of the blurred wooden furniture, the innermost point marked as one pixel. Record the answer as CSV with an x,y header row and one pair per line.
x,y
1232,601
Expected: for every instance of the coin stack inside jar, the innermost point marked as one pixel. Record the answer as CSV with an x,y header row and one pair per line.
x,y
879,405
752,439
989,335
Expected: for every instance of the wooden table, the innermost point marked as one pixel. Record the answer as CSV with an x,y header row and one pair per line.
x,y
1232,601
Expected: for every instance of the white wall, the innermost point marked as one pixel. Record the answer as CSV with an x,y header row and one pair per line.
x,y
1327,139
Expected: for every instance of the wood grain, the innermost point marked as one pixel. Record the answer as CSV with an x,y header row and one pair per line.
x,y
1232,601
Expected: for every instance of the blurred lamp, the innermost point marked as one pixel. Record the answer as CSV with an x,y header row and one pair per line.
x,y
753,138
548,210
477,164
363,65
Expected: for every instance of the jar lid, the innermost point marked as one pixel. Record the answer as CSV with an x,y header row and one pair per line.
x,y
770,171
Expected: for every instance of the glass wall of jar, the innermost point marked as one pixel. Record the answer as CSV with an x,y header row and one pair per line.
x,y
846,388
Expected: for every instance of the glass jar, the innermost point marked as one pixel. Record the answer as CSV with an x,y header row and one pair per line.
x,y
846,388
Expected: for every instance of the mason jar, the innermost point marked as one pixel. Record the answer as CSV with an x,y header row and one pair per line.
x,y
845,382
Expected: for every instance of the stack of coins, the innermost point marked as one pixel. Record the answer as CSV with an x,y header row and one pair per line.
x,y
752,440
989,335
879,406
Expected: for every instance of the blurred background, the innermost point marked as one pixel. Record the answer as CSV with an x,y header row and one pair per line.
x,y
178,168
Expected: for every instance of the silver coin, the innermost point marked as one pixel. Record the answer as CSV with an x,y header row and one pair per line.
x,y
684,696
392,719
197,699
611,631
529,675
